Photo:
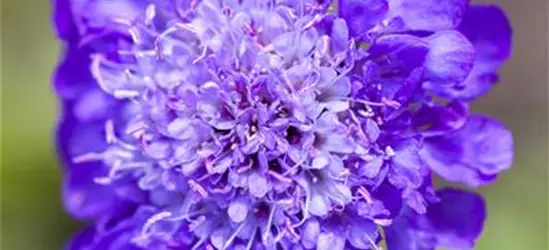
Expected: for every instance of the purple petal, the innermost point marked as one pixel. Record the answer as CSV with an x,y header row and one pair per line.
x,y
72,76
82,197
449,61
100,13
238,210
455,222
473,155
258,185
442,119
64,22
311,230
428,15
363,234
407,48
407,170
371,169
489,30
362,15
330,241
319,205
340,36
339,144
457,219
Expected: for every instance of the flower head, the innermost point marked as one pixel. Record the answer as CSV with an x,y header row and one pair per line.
x,y
277,124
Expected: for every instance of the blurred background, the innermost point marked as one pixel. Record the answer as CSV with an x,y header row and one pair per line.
x,y
32,214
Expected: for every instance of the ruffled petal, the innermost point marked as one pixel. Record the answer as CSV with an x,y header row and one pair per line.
x,y
428,15
472,155
82,197
489,30
362,15
63,20
455,222
449,61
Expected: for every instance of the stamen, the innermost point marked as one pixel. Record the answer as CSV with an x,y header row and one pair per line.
x,y
290,229
202,55
279,176
251,241
110,137
112,172
87,157
317,18
383,222
150,13
280,235
193,224
132,29
145,231
365,194
305,211
374,245
124,94
267,232
233,236
199,243
195,186
295,166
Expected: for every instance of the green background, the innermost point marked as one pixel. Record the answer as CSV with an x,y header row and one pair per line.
x,y
32,214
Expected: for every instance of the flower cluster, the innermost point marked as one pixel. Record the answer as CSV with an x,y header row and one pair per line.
x,y
278,124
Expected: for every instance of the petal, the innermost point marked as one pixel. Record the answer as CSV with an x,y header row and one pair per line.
x,y
64,22
391,198
441,119
340,193
400,236
371,169
457,219
449,61
82,239
428,15
100,13
72,76
238,210
319,206
407,166
473,155
320,161
258,185
93,105
340,36
489,30
311,230
409,88
408,49
362,15
330,241
338,143
363,234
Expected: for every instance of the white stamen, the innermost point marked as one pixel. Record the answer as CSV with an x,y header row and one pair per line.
x,y
150,13
87,157
124,93
151,221
233,236
267,231
110,136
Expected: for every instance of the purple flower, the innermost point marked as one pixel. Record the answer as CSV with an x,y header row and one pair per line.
x,y
277,124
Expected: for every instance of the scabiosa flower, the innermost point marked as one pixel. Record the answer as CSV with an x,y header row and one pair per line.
x,y
278,124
